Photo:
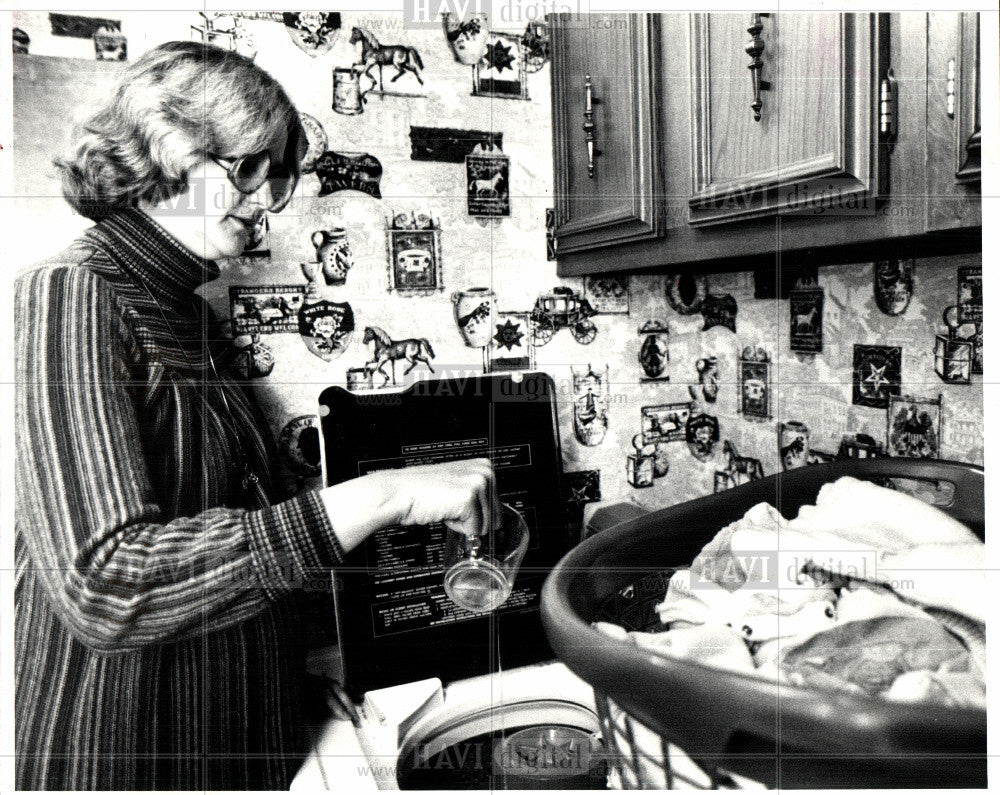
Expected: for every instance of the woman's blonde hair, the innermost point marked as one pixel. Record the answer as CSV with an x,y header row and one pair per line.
x,y
171,107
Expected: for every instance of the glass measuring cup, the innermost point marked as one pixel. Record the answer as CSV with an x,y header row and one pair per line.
x,y
479,573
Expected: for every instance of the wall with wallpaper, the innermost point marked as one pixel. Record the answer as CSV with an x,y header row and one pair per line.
x,y
509,255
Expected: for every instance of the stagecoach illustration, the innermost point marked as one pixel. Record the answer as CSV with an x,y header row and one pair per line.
x,y
563,308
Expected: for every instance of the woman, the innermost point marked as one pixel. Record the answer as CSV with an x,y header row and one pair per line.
x,y
155,629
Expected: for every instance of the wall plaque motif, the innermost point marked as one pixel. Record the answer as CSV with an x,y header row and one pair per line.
x,y
252,359
893,285
488,178
581,487
877,374
299,442
449,145
347,97
701,434
686,292
265,309
501,72
326,328
708,378
772,281
316,142
559,309
970,295
754,375
793,444
666,422
914,427
739,469
80,27
953,359
414,244
374,55
608,293
590,405
640,466
512,346
349,171
333,256
475,310
386,350
806,322
654,353
313,32
110,44
858,445
977,350
719,310
468,37
550,234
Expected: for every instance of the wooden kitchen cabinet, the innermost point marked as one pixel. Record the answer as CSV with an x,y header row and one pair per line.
x,y
605,74
829,173
953,121
785,113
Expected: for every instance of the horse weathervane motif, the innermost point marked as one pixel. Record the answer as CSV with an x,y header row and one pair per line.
x,y
414,350
404,58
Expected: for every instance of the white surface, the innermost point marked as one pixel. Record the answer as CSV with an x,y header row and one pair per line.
x,y
364,760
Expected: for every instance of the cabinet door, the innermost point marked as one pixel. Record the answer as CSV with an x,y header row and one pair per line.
x,y
953,122
815,144
607,198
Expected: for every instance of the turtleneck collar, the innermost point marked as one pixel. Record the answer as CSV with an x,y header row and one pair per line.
x,y
151,255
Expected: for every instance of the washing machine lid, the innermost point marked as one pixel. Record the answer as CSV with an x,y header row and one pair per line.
x,y
395,622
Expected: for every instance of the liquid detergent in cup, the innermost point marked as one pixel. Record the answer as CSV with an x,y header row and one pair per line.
x,y
479,573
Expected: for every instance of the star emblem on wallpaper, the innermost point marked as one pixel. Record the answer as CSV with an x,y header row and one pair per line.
x,y
877,377
508,336
578,496
499,57
877,374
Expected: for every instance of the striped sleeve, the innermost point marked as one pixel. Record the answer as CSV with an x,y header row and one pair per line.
x,y
118,573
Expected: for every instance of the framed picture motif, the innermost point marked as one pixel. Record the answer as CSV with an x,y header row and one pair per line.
x,y
512,345
265,309
754,373
608,294
501,72
970,295
914,427
488,179
806,321
665,422
414,255
877,374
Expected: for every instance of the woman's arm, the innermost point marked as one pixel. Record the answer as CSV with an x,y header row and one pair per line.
x,y
119,574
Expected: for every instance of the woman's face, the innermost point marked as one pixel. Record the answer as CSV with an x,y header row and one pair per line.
x,y
226,226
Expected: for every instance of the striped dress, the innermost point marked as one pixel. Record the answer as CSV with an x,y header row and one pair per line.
x,y
158,641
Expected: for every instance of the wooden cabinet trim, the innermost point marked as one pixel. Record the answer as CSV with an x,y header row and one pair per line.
x,y
968,147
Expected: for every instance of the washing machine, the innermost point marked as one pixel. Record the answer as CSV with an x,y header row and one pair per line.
x,y
446,698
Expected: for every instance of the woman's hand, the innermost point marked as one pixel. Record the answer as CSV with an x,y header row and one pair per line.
x,y
460,494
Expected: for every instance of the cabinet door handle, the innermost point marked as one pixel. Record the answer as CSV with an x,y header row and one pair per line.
x,y
588,124
951,89
888,108
755,49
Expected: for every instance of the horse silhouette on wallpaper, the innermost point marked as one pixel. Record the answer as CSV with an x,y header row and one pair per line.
x,y
414,350
487,186
804,322
405,59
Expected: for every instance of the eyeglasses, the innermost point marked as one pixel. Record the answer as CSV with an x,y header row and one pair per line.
x,y
249,173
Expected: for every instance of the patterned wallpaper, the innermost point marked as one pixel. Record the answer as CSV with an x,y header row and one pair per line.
x,y
509,255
